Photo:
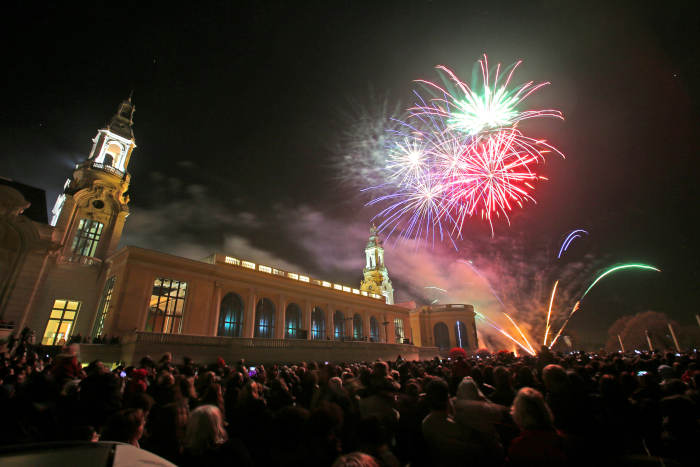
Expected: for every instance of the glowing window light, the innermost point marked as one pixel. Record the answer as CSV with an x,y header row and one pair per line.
x,y
355,291
364,292
277,272
291,275
304,278
234,261
248,264
337,287
266,269
326,284
346,288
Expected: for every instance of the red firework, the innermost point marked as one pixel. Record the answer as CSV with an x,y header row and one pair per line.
x,y
493,174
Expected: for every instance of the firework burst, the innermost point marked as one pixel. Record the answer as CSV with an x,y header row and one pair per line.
x,y
458,155
490,105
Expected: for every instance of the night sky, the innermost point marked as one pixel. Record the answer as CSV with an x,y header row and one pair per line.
x,y
245,111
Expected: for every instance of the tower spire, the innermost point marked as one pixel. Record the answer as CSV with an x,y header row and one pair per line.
x,y
376,277
122,122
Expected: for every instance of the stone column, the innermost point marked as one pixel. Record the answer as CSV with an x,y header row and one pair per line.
x,y
280,318
350,324
329,322
216,307
306,318
249,320
365,325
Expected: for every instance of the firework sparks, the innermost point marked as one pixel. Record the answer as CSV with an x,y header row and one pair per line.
x,y
459,155
472,110
549,312
499,329
574,234
617,268
598,279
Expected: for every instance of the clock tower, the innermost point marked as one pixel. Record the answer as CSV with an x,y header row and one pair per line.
x,y
90,213
376,277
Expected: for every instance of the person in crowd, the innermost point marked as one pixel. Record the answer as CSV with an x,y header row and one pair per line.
x,y
539,442
125,426
207,442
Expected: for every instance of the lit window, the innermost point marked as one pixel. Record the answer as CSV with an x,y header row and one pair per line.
x,y
398,330
326,284
346,288
337,287
291,275
231,316
61,322
357,326
304,278
277,272
103,309
265,318
373,329
318,324
338,325
248,264
167,306
234,261
356,291
86,238
364,292
266,269
293,317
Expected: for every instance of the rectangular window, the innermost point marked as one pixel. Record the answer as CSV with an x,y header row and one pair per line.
x,y
167,306
103,309
86,238
63,315
398,330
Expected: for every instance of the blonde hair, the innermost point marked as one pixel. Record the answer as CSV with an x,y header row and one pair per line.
x,y
530,411
205,429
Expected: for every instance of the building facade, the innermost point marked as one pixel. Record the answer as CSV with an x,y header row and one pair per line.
x,y
65,280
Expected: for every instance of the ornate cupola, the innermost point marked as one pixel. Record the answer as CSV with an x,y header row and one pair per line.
x,y
90,213
376,277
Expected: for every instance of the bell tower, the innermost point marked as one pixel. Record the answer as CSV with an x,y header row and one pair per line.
x,y
376,277
90,213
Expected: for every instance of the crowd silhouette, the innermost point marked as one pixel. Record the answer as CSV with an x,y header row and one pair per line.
x,y
488,409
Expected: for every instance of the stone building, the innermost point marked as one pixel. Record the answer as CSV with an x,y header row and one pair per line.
x,y
65,278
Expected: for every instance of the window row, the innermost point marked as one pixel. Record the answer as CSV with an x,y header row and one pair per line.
x,y
166,311
232,312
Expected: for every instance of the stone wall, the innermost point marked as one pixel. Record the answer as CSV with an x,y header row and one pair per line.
x,y
204,350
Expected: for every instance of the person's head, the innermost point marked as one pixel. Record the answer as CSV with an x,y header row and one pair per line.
x,y
555,378
437,394
125,426
355,459
530,411
205,429
468,390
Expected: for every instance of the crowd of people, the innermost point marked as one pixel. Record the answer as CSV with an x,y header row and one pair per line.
x,y
486,409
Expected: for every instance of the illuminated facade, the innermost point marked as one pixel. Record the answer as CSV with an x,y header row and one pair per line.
x,y
64,278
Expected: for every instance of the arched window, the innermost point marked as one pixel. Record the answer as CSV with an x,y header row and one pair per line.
x,y
265,318
461,334
357,327
293,318
442,336
373,329
231,316
398,330
318,324
338,325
